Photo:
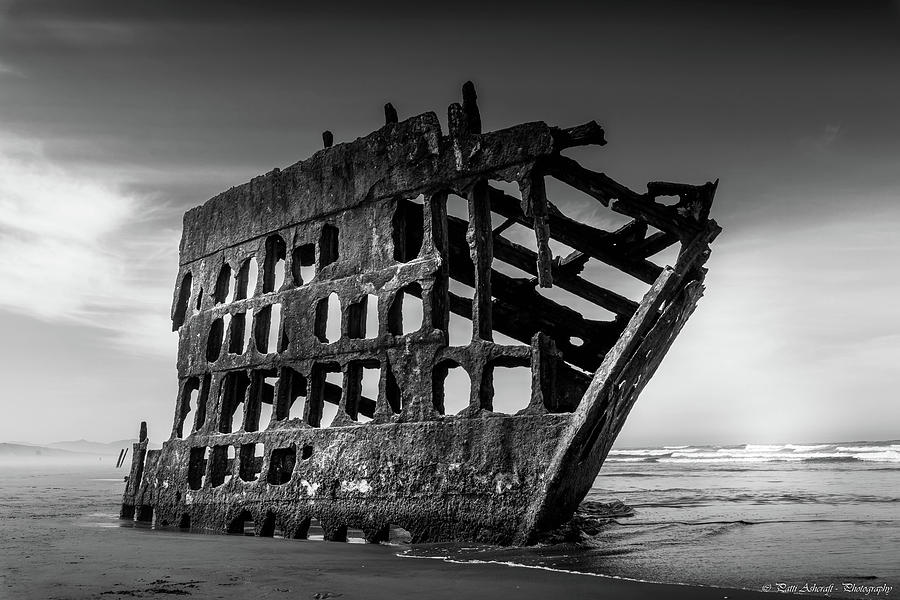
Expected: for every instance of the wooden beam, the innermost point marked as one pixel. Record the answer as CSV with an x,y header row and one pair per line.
x,y
582,135
524,259
693,200
572,264
521,325
503,226
332,394
623,200
520,311
650,245
632,231
589,240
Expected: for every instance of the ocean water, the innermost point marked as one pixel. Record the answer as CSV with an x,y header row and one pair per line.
x,y
748,516
744,516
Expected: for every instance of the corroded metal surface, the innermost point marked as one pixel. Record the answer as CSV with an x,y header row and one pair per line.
x,y
365,225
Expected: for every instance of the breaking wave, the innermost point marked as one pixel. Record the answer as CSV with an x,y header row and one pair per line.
x,y
866,452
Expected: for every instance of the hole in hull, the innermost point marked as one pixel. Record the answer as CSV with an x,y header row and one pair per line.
x,y
328,319
407,311
292,395
234,389
184,297
362,318
451,389
242,524
247,278
511,388
273,267
281,465
408,229
328,245
223,285
214,340
251,462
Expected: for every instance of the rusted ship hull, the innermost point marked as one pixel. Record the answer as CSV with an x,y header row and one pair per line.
x,y
398,459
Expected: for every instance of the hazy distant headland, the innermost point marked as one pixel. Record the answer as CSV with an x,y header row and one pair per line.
x,y
67,452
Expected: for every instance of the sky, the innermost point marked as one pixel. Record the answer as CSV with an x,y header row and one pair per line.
x,y
116,117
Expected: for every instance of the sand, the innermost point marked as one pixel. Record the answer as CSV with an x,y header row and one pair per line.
x,y
60,539
76,559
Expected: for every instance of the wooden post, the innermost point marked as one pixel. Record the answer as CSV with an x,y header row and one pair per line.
x,y
543,373
534,205
390,114
436,213
480,239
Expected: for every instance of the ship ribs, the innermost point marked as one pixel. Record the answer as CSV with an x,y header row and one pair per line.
x,y
357,359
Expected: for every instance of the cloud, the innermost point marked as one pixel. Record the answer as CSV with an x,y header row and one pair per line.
x,y
6,69
83,33
82,250
823,140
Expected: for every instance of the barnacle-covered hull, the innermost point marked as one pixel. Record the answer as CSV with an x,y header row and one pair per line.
x,y
345,226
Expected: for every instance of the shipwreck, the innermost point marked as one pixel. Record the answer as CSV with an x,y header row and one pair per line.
x,y
272,426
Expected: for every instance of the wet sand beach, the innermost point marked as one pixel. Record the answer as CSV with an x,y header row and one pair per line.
x,y
61,540
67,560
